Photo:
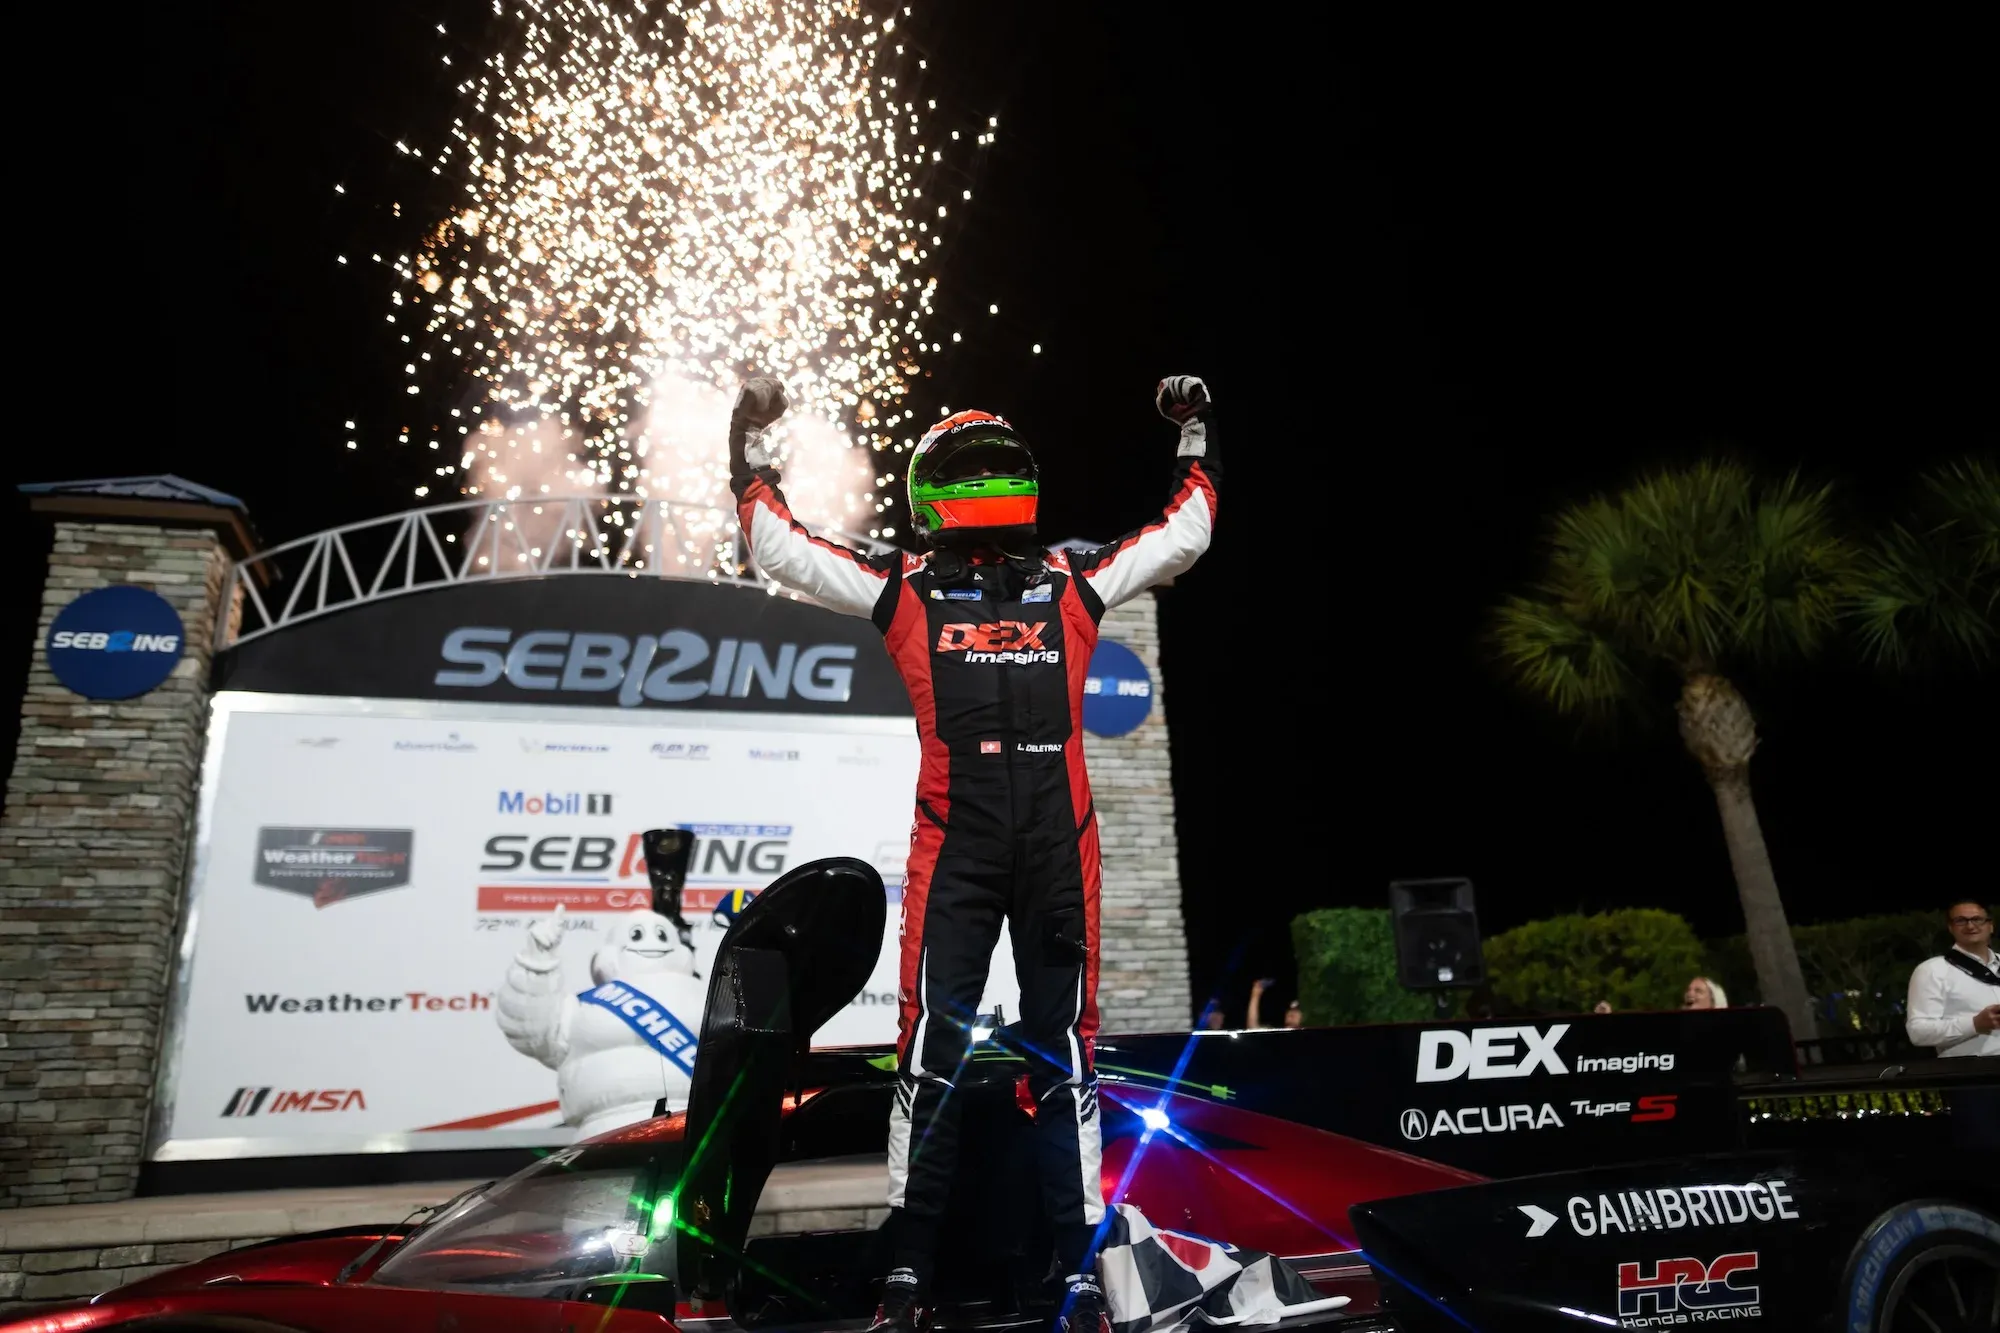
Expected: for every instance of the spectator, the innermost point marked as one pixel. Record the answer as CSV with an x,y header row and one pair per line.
x,y
1294,1016
1211,1018
1702,993
1255,1017
1601,1007
1955,998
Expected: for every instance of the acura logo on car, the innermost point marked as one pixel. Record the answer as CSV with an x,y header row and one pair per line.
x,y
1418,1124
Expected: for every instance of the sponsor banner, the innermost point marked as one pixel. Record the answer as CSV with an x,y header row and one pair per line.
x,y
628,644
1502,1098
366,873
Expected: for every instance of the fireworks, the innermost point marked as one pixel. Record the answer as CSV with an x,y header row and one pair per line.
x,y
658,199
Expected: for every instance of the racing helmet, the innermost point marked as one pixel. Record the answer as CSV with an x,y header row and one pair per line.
x,y
972,479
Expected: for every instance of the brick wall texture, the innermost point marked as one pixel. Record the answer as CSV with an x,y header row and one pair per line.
x,y
92,844
33,1276
1142,981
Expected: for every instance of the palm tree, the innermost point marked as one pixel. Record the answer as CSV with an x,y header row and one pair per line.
x,y
1929,588
1691,574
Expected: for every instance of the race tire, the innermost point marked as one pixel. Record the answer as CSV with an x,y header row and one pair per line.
x,y
1926,1264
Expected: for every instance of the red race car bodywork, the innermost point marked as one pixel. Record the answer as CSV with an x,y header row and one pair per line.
x,y
1210,1169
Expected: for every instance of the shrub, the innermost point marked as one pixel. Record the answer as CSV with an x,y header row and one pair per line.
x,y
1347,969
1858,970
1638,958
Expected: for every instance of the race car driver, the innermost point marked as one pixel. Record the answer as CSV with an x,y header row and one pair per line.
x,y
992,635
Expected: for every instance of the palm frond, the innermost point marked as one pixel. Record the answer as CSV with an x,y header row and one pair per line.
x,y
1686,568
1799,571
1966,494
1928,590
1561,658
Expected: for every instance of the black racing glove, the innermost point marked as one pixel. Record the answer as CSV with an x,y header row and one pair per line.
x,y
1183,400
760,402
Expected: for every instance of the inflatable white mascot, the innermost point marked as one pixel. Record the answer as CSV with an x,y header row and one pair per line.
x,y
621,1045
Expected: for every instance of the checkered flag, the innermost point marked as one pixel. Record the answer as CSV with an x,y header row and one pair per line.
x,y
1160,1281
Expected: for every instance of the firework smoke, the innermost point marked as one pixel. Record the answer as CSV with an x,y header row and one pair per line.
x,y
658,199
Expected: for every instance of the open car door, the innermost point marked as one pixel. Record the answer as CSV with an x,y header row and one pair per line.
x,y
794,958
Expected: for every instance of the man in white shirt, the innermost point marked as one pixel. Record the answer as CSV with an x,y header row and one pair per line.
x,y
1955,998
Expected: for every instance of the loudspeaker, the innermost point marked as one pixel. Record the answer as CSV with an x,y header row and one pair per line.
x,y
1437,934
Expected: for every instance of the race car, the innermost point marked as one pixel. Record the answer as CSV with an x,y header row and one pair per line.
x,y
1623,1171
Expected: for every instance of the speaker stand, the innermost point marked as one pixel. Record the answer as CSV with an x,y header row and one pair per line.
x,y
1440,1005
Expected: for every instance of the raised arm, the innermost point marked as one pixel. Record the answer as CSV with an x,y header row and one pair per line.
x,y
1169,545
825,571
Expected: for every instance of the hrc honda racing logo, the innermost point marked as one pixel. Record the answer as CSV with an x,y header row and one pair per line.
x,y
1673,1292
1001,643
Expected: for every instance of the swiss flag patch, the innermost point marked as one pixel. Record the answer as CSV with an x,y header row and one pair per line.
x,y
989,747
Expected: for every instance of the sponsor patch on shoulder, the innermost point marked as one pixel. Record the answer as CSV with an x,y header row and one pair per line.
x,y
1039,593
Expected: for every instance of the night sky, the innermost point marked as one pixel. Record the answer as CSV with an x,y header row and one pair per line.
x,y
1437,287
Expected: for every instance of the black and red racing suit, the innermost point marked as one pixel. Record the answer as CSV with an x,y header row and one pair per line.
x,y
995,654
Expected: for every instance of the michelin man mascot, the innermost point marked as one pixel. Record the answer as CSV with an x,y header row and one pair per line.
x,y
627,1041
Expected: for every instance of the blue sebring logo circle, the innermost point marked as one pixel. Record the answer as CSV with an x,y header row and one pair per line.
x,y
115,643
1117,692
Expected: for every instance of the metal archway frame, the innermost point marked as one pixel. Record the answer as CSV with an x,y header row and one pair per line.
x,y
479,540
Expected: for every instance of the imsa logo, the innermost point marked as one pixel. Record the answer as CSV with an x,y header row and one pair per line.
x,y
1683,1291
251,1101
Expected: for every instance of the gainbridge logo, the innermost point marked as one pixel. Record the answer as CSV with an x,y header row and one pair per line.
x,y
1002,642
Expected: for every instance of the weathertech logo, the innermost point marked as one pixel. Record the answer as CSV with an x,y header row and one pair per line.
x,y
1005,642
251,1101
1687,1291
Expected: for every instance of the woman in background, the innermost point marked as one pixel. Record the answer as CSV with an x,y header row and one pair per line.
x,y
1704,994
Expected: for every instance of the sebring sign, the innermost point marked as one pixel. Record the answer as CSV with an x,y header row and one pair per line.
x,y
585,642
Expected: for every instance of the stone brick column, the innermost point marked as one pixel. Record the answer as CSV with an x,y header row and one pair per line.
x,y
1143,973
93,849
